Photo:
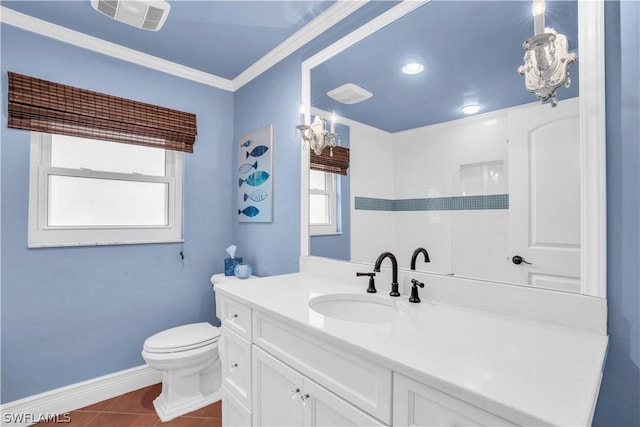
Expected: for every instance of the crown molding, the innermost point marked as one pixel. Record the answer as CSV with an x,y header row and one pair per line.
x,y
29,23
317,26
346,121
313,29
403,8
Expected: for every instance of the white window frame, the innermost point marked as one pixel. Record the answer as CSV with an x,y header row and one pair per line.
x,y
331,189
42,235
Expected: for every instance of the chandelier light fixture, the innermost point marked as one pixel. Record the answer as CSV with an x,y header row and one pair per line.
x,y
317,135
546,58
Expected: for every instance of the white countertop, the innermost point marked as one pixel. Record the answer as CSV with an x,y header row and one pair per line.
x,y
526,372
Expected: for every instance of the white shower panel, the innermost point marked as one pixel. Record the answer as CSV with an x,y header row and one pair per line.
x,y
371,175
427,159
427,229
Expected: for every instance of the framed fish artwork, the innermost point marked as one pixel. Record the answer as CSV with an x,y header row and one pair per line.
x,y
255,176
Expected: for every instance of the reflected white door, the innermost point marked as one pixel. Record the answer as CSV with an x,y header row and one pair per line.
x,y
544,196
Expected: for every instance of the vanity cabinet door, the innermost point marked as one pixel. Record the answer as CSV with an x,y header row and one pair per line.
x,y
233,413
283,397
276,392
415,404
324,408
235,356
365,384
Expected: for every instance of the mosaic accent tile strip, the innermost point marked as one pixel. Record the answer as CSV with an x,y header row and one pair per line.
x,y
372,204
454,203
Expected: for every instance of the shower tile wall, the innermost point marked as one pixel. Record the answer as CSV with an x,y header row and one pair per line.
x,y
442,163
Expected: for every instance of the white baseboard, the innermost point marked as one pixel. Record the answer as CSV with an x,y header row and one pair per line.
x,y
27,411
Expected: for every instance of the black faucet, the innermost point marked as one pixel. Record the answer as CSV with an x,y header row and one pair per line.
x,y
415,256
394,269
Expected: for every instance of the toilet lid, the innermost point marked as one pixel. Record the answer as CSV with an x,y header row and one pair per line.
x,y
182,338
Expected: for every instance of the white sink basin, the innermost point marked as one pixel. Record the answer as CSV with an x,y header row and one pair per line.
x,y
354,308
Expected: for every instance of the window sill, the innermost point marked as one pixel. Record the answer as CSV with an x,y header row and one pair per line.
x,y
31,245
325,234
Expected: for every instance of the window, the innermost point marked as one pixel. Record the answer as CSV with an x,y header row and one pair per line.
x,y
323,203
92,192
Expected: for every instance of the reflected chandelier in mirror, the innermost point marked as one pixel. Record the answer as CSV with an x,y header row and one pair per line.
x,y
546,58
316,134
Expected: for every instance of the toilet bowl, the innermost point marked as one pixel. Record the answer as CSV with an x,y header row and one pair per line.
x,y
190,364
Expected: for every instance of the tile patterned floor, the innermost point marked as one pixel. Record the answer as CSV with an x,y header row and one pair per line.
x,y
135,409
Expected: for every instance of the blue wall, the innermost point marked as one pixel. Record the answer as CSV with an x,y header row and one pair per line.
x,y
71,314
273,98
619,403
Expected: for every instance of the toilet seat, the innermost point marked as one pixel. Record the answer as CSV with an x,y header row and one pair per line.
x,y
182,338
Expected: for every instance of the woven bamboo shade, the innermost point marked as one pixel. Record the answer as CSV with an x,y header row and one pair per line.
x,y
43,106
338,163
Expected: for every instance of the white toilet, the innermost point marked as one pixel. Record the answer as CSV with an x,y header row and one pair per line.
x,y
190,364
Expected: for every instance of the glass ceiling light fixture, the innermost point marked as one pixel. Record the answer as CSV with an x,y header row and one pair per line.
x,y
316,134
546,58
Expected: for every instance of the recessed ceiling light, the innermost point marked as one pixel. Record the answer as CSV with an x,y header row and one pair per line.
x,y
412,68
470,109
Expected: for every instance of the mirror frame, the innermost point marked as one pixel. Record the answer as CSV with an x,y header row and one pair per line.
x,y
592,133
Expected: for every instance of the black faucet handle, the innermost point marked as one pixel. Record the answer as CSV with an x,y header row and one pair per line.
x,y
366,274
372,284
414,290
417,283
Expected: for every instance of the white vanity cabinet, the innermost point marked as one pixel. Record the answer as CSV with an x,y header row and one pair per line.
x,y
284,397
432,364
283,376
270,380
235,356
416,404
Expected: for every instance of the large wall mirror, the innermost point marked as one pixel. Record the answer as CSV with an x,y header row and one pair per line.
x,y
513,193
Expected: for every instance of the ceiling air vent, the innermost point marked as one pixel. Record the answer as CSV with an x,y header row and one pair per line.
x,y
146,14
349,94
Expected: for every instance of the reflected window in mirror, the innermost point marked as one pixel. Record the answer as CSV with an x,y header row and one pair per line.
x,y
323,203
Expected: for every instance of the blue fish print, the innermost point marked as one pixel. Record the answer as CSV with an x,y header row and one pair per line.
x,y
249,211
258,151
255,179
247,143
256,195
247,167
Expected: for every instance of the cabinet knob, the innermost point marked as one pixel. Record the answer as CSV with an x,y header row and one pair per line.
x,y
294,392
304,398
